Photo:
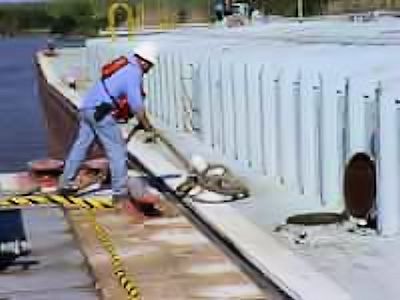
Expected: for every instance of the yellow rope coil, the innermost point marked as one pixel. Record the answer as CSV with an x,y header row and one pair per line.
x,y
117,265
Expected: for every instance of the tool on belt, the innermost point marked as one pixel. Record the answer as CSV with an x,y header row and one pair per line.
x,y
214,178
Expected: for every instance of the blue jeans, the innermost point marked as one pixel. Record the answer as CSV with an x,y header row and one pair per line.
x,y
109,134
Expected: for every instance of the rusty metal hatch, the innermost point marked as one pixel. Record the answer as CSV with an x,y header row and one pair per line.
x,y
360,186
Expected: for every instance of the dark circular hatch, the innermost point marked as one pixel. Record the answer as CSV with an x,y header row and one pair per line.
x,y
360,186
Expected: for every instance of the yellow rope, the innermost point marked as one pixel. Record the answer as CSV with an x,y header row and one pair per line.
x,y
118,269
91,205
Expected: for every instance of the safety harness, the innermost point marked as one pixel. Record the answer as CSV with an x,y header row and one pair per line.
x,y
121,110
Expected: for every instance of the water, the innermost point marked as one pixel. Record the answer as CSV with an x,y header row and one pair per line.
x,y
22,133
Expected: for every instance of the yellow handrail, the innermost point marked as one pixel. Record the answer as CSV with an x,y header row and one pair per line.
x,y
111,19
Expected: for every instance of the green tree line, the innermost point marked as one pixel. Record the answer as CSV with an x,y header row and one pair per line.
x,y
14,18
57,16
87,16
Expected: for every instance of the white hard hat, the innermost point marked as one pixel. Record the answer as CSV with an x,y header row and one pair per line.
x,y
148,51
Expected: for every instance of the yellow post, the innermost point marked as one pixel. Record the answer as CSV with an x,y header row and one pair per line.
x,y
160,15
170,15
164,15
209,11
111,19
140,15
143,14
136,17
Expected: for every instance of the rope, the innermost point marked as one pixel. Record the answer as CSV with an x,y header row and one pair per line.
x,y
215,178
91,205
118,268
187,108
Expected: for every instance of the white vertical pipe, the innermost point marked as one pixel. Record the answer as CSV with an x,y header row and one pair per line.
x,y
151,93
215,105
255,117
369,122
370,97
221,109
171,91
388,167
271,116
155,88
229,110
297,86
161,111
278,113
246,137
252,117
317,91
375,128
309,134
331,184
234,113
209,101
356,114
204,103
288,126
176,96
241,125
188,84
157,92
216,108
164,88
346,123
180,96
196,98
263,115
341,119
167,88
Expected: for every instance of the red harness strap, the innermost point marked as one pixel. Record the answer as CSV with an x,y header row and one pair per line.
x,y
121,111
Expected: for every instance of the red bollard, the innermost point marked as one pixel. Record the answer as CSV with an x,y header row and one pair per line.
x,y
46,172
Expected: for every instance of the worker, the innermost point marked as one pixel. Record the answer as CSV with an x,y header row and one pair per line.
x,y
100,112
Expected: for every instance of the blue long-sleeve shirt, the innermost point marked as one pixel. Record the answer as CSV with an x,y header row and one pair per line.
x,y
125,82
